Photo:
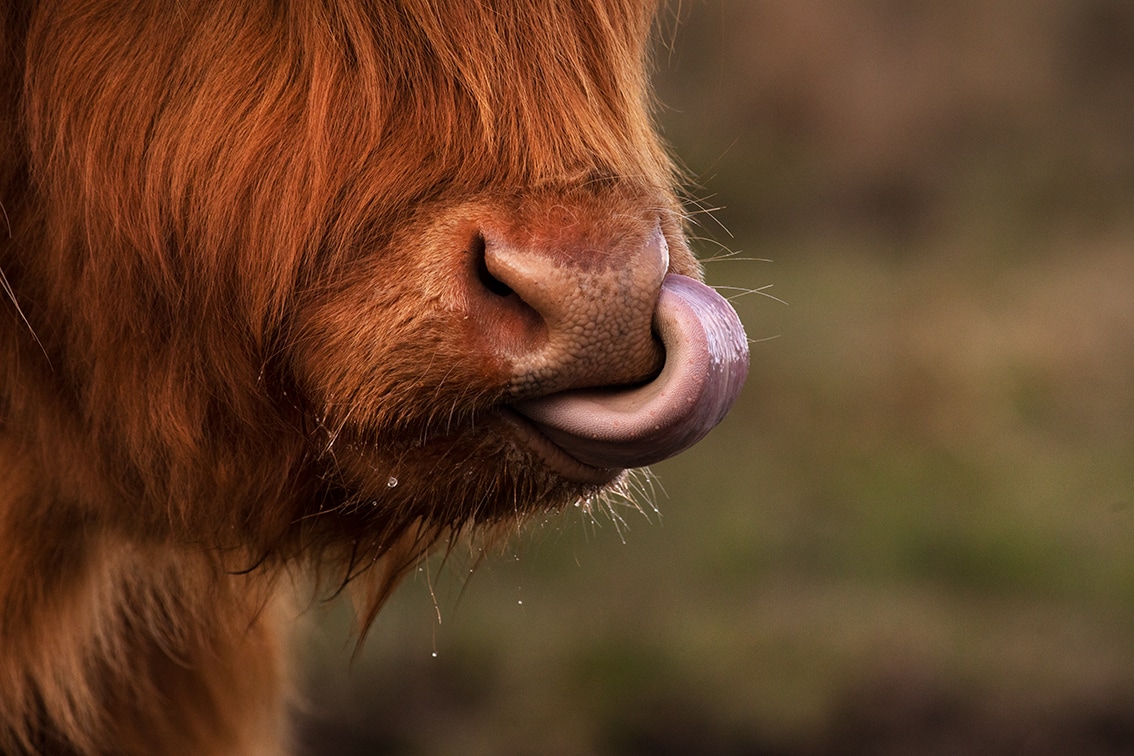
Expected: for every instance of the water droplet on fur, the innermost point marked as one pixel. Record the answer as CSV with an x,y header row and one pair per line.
x,y
391,482
434,654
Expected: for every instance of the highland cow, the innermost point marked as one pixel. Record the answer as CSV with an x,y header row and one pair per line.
x,y
309,286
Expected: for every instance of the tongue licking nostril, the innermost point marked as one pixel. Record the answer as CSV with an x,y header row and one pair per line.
x,y
706,362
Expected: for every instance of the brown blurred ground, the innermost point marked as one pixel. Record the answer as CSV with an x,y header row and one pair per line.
x,y
914,533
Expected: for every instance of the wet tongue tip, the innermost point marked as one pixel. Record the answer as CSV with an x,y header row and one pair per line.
x,y
705,367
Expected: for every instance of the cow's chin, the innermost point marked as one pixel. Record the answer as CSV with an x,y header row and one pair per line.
x,y
495,469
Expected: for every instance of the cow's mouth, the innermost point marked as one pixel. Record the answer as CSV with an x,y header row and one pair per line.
x,y
553,455
590,435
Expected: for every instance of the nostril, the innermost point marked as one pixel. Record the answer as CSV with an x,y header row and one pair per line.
x,y
483,274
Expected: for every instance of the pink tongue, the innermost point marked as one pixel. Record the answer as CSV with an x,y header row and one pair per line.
x,y
706,362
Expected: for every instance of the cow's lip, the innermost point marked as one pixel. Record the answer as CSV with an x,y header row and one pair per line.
x,y
553,455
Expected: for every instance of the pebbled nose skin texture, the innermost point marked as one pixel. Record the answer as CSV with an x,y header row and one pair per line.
x,y
594,310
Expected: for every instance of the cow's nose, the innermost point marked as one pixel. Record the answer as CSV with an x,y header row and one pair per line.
x,y
574,316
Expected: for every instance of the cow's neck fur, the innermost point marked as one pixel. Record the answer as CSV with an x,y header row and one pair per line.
x,y
131,650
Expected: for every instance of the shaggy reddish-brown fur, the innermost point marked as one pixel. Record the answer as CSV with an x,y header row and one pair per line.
x,y
231,316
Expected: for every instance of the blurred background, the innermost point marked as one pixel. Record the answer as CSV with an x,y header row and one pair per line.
x,y
915,532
